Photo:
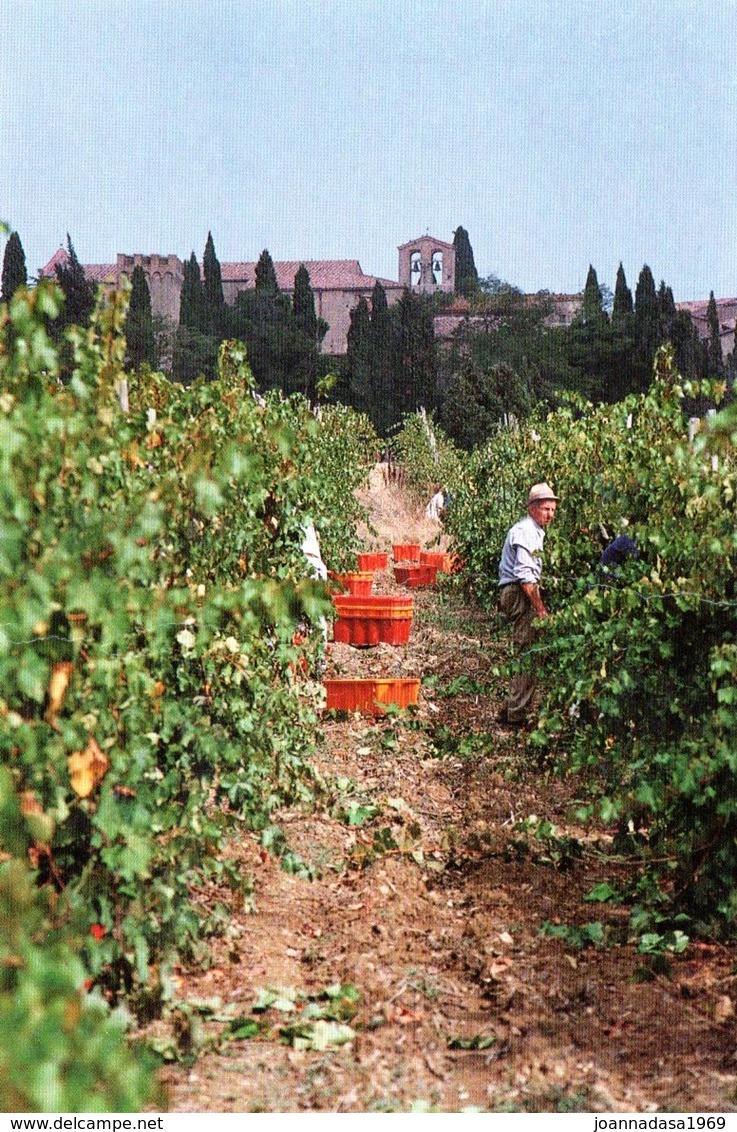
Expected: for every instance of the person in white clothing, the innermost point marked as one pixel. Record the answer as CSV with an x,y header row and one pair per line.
x,y
312,552
520,570
434,509
318,569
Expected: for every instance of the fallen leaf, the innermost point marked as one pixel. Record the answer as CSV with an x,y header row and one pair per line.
x,y
319,1035
402,1014
277,998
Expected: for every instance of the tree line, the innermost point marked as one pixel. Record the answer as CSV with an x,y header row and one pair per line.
x,y
282,332
510,355
507,356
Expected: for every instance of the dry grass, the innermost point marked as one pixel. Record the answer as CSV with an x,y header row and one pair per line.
x,y
395,517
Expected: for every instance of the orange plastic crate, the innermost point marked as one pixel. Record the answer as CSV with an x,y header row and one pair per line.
x,y
373,561
366,621
406,552
440,561
360,584
416,575
370,696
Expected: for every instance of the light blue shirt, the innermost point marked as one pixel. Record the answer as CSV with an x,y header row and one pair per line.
x,y
522,554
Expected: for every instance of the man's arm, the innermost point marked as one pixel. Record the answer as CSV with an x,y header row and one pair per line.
x,y
531,590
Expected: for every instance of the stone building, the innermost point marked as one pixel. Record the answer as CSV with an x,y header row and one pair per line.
x,y
337,284
727,312
426,265
164,274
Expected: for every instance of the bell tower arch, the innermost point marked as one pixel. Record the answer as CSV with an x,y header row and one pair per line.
x,y
427,265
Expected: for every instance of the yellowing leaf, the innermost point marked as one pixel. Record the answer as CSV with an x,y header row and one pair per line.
x,y
132,455
29,803
87,768
61,674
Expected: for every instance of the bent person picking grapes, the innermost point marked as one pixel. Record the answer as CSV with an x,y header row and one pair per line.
x,y
520,569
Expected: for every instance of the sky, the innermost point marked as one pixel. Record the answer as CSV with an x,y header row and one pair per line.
x,y
558,134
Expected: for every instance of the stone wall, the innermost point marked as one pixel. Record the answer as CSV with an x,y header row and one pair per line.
x,y
164,275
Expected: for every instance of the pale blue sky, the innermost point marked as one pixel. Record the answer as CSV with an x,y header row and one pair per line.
x,y
558,134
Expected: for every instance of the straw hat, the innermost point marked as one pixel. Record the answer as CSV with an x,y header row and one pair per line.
x,y
541,491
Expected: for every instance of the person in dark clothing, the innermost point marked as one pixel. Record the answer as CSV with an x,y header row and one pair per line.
x,y
617,553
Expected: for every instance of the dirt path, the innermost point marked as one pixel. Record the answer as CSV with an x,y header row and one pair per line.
x,y
422,928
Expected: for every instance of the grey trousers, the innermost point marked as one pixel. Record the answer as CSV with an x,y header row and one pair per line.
x,y
518,611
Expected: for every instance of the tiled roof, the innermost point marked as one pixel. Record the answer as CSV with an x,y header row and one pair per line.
x,y
59,257
94,272
698,306
101,272
325,274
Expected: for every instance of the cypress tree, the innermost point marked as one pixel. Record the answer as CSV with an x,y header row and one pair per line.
x,y
266,281
624,377
715,362
303,304
647,326
592,345
195,349
380,317
192,303
139,325
668,312
79,295
14,268
623,306
466,276
358,358
415,360
645,295
381,359
307,331
593,307
686,344
213,285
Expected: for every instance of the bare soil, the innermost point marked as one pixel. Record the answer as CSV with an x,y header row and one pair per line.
x,y
431,906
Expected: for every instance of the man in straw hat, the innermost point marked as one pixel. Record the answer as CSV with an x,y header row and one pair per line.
x,y
520,599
